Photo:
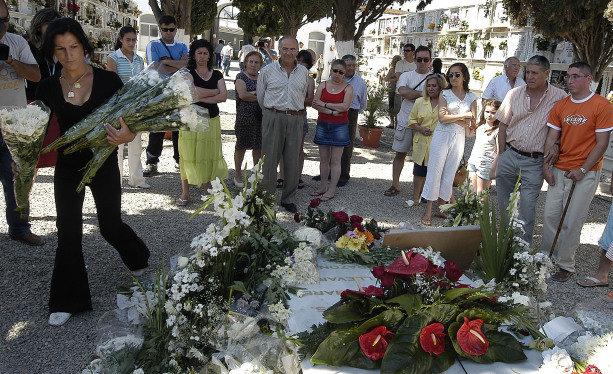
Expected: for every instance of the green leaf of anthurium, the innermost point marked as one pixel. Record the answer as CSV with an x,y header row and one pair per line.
x,y
342,348
410,303
353,309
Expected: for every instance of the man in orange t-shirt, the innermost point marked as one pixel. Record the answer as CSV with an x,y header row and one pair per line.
x,y
578,136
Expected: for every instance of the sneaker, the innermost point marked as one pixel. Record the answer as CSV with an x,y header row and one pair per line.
x,y
29,239
237,183
141,184
150,170
317,178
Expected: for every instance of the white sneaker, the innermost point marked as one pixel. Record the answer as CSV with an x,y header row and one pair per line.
x,y
237,183
58,318
141,184
410,203
139,272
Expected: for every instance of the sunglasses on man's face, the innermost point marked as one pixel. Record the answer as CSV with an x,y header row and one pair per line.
x,y
422,59
338,71
451,75
407,50
168,29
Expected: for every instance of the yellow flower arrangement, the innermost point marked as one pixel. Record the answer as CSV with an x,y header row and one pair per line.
x,y
356,240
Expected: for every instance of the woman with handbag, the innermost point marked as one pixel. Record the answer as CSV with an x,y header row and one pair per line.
x,y
456,115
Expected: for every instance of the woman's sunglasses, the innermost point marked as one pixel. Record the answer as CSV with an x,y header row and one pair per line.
x,y
338,71
451,75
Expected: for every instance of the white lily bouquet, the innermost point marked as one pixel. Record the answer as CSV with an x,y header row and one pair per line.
x,y
23,130
148,102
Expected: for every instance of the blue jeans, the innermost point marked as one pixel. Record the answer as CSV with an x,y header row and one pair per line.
x,y
17,226
225,62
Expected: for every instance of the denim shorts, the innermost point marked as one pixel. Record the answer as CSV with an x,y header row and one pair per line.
x,y
332,134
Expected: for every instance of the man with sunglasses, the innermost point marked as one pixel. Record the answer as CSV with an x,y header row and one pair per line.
x,y
408,60
577,138
174,56
16,65
410,87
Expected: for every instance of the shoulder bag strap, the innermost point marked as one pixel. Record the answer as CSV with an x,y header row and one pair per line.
x,y
170,53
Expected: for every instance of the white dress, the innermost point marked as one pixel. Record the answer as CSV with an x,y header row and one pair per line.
x,y
446,150
483,154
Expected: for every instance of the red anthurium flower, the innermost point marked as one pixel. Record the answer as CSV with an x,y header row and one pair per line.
x,y
365,291
373,344
433,270
452,271
341,217
471,339
408,263
592,369
315,203
387,280
432,338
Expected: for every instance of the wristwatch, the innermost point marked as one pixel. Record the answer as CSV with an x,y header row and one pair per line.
x,y
583,171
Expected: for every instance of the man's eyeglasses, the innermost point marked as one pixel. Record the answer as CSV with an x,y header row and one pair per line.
x,y
422,59
168,29
451,75
338,71
574,77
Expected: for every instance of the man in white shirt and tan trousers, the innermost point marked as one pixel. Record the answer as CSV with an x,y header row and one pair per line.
x,y
281,91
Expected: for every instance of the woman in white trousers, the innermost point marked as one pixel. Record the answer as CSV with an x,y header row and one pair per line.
x,y
457,114
127,63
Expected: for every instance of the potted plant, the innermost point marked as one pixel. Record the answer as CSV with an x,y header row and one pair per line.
x,y
488,48
473,47
369,131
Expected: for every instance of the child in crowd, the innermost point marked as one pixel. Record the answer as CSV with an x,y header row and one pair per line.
x,y
482,161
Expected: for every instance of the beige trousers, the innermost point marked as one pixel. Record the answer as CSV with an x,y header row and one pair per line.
x,y
557,196
281,138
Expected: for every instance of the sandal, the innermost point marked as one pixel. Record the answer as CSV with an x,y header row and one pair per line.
x,y
426,222
326,198
591,282
181,202
317,193
561,276
392,191
440,214
279,183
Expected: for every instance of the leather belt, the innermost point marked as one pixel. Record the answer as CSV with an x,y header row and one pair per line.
x,y
289,111
526,154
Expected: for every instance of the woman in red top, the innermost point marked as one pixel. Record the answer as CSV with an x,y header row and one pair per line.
x,y
332,100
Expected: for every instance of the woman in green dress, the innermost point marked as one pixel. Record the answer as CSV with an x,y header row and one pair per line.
x,y
201,158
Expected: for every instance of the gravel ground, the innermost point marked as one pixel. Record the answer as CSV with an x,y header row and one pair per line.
x,y
29,345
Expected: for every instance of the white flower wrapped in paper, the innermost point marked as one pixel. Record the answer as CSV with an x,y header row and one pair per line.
x,y
23,130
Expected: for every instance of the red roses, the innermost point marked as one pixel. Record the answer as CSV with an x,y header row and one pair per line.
x,y
373,344
432,338
365,291
340,217
471,339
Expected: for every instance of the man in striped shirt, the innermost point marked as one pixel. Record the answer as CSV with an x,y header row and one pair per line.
x,y
281,92
521,140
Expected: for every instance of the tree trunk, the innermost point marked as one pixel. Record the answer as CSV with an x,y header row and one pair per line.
x,y
157,11
343,26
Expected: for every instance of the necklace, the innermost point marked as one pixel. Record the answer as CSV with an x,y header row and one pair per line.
x,y
75,86
208,74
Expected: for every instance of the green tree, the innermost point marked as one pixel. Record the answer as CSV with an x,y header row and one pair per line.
x,y
351,17
203,15
277,17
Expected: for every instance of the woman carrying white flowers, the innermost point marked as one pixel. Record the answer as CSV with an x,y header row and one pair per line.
x,y
75,93
127,63
201,159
